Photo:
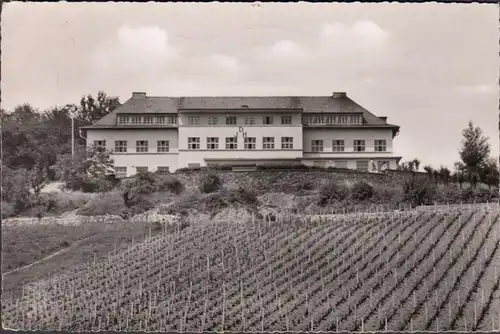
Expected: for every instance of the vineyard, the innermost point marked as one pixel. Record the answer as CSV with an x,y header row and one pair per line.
x,y
412,270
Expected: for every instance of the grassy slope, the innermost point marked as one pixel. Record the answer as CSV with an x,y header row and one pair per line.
x,y
27,244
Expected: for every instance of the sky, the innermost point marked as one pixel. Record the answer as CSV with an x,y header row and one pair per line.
x,y
429,68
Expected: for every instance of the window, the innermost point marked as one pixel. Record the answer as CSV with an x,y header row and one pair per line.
x,y
193,143
268,142
141,169
194,165
212,143
194,120
250,143
120,146
380,145
141,146
286,142
162,146
362,165
120,172
172,120
123,119
231,143
230,120
338,145
359,146
160,120
148,120
136,119
317,145
249,120
213,120
286,119
267,120
163,169
341,164
100,145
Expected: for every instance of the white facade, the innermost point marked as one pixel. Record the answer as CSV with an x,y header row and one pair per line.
x,y
131,159
308,130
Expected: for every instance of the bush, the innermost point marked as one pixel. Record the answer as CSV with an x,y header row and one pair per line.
x,y
213,203
306,185
242,195
16,188
210,182
104,204
7,210
419,192
362,190
59,202
169,183
332,192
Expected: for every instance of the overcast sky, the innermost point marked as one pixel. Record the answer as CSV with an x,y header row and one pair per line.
x,y
429,68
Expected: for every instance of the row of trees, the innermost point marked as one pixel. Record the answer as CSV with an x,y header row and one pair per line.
x,y
475,163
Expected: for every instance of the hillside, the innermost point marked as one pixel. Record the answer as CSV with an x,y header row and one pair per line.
x,y
400,271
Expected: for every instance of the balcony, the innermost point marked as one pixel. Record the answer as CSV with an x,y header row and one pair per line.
x,y
153,121
326,120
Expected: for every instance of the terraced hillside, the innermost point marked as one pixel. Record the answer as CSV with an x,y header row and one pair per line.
x,y
388,271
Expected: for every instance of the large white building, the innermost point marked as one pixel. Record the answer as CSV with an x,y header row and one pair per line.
x,y
167,133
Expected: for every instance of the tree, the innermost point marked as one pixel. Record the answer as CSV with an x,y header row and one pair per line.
x,y
474,152
444,174
490,173
416,164
460,173
91,170
37,178
429,170
91,108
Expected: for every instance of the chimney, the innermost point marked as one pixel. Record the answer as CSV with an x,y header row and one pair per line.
x,y
384,118
138,95
339,95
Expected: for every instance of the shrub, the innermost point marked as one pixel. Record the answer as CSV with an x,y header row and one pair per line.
x,y
169,183
7,210
243,195
306,185
91,184
362,190
332,192
68,201
419,191
104,204
213,203
16,188
210,182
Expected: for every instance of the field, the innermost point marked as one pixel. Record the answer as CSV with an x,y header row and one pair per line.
x,y
412,270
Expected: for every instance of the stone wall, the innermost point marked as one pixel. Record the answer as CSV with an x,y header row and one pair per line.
x,y
291,180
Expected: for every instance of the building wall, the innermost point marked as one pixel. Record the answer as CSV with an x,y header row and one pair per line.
x,y
132,159
349,157
179,156
187,156
348,135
